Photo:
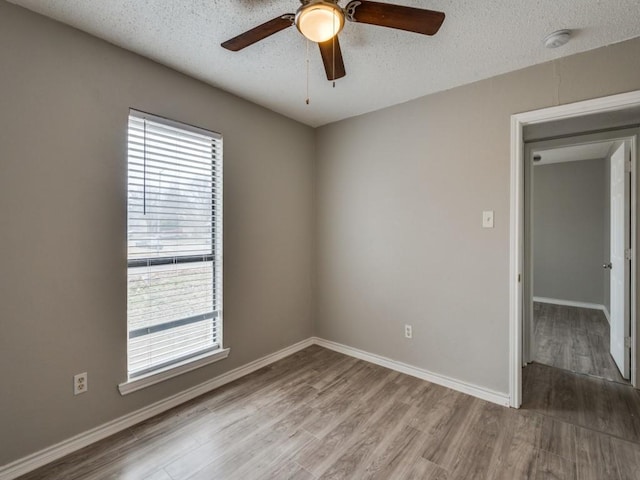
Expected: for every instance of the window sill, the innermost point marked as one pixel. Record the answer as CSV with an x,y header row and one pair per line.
x,y
172,371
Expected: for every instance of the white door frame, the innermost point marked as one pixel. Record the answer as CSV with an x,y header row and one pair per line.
x,y
516,244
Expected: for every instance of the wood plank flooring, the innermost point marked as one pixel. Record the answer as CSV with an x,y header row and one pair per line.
x,y
594,403
575,339
321,415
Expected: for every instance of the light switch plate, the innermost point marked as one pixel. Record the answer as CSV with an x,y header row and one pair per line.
x,y
487,219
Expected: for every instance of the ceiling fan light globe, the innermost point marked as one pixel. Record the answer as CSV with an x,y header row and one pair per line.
x,y
319,21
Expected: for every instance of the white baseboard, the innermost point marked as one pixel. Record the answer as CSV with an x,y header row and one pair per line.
x,y
571,303
606,313
452,383
59,450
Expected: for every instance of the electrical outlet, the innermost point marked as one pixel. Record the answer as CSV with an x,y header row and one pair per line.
x,y
408,331
80,384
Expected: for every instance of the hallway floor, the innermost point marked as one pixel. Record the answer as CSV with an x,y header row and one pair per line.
x,y
574,339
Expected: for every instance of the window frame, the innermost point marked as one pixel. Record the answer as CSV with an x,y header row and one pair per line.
x,y
161,372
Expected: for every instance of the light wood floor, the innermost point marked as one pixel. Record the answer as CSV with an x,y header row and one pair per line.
x,y
575,339
321,415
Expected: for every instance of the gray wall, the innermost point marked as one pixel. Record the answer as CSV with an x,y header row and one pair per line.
x,y
64,100
400,194
569,230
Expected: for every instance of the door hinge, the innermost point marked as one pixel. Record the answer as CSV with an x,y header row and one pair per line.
x,y
627,254
627,342
627,167
518,278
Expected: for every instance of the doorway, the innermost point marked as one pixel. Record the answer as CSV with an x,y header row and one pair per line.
x,y
577,225
590,115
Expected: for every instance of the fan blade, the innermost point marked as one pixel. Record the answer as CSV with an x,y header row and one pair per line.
x,y
418,20
259,33
334,66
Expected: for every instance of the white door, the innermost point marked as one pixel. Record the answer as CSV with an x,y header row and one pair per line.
x,y
620,265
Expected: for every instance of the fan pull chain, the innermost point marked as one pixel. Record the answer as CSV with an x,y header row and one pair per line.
x,y
307,101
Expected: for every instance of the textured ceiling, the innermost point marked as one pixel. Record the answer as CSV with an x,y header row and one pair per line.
x,y
478,39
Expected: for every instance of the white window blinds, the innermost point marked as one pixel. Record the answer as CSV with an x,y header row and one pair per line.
x,y
174,238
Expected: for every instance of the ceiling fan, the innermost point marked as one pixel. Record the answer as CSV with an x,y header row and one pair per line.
x,y
322,20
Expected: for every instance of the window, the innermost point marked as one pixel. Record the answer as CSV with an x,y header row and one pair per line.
x,y
174,244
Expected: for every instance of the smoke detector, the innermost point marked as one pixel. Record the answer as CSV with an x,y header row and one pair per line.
x,y
557,38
